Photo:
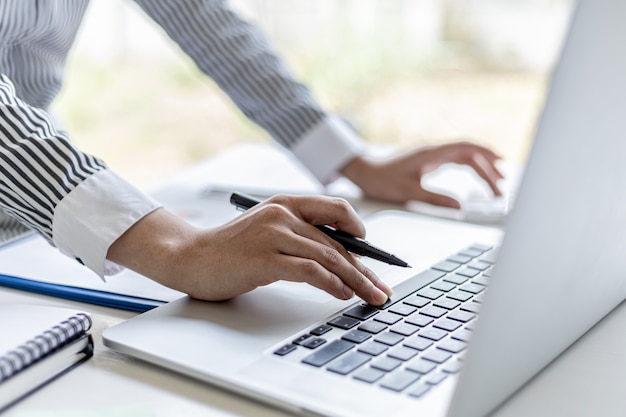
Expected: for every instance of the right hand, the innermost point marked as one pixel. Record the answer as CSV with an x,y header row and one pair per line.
x,y
275,240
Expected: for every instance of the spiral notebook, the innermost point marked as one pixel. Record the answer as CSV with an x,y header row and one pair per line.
x,y
37,345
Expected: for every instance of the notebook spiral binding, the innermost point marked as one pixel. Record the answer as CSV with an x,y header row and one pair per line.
x,y
43,344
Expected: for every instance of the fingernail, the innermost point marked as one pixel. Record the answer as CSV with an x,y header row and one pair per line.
x,y
379,296
385,288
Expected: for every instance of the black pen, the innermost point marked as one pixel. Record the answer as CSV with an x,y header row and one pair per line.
x,y
352,244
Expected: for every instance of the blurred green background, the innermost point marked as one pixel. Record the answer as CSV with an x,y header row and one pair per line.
x,y
406,73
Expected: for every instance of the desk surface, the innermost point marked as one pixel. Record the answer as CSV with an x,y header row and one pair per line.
x,y
588,379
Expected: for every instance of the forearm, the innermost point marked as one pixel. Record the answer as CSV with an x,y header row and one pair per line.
x,y
238,56
71,198
39,164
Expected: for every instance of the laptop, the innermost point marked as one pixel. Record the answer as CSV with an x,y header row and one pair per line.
x,y
449,344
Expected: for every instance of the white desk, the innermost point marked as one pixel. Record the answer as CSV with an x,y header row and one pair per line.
x,y
588,379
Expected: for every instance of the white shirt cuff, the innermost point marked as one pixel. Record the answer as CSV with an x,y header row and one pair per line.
x,y
94,214
328,147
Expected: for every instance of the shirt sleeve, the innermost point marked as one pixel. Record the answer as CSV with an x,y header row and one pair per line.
x,y
68,196
239,58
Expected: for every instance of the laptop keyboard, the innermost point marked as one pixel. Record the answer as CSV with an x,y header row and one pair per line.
x,y
415,340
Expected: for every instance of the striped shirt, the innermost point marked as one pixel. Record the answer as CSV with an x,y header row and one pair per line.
x,y
72,198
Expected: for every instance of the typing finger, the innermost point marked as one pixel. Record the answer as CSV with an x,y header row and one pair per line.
x,y
333,270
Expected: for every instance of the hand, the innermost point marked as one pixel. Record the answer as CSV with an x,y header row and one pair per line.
x,y
274,240
398,180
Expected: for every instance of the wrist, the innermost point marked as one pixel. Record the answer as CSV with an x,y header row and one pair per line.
x,y
154,245
357,170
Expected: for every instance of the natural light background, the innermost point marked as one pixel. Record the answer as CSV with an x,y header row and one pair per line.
x,y
405,72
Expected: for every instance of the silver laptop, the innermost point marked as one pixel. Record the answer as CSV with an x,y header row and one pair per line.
x,y
462,334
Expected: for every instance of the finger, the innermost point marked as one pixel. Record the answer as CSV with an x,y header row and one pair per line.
x,y
437,199
334,270
487,171
311,272
373,278
318,210
489,154
313,233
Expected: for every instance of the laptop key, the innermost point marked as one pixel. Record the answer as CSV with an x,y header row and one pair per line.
x,y
416,301
409,286
418,343
328,353
403,309
489,257
320,330
447,324
343,322
433,334
480,297
402,353
419,390
373,348
452,367
445,266
481,280
460,259
419,320
479,264
433,311
369,375
462,316
301,339
452,346
356,336
386,364
443,286
389,338
447,303
422,366
460,295
361,312
472,288
462,335
388,318
430,293
313,342
348,363
467,272
456,279
436,378
481,247
405,329
373,327
284,350
437,356
471,307
473,252
400,380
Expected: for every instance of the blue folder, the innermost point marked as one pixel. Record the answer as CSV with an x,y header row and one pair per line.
x,y
85,295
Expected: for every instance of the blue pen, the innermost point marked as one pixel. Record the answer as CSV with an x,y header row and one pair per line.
x,y
85,295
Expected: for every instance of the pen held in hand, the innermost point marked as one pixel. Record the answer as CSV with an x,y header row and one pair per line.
x,y
352,244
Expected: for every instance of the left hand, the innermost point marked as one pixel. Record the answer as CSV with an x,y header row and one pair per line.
x,y
398,180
